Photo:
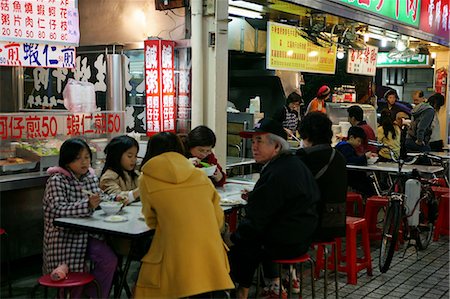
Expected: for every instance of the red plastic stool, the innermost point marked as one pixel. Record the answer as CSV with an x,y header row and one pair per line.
x,y
4,237
325,262
373,205
442,225
232,219
291,262
352,264
74,279
439,191
352,199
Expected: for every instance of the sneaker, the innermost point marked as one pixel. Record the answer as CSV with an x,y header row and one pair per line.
x,y
272,292
295,285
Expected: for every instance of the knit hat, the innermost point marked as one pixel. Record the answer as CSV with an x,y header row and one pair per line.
x,y
265,125
323,91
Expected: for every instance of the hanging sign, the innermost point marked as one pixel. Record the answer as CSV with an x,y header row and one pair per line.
x,y
159,86
287,50
362,62
38,21
405,11
418,60
434,18
36,55
47,125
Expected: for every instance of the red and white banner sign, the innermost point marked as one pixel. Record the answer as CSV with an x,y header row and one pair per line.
x,y
434,18
362,62
47,125
40,21
36,55
159,86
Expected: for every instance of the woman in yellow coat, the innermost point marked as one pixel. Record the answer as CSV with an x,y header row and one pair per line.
x,y
187,256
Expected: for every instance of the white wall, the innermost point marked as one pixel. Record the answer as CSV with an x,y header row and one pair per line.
x,y
127,22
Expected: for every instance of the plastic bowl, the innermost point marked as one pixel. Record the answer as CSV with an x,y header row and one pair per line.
x,y
209,170
372,160
110,207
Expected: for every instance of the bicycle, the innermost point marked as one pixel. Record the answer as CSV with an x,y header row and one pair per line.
x,y
412,204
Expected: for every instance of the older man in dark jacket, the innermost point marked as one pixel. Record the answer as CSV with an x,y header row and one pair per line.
x,y
281,214
420,131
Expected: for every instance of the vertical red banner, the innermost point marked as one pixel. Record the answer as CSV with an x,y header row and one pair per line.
x,y
159,86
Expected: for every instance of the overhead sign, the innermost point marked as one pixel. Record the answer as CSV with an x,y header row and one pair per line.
x,y
38,21
434,18
36,55
418,60
159,86
405,11
362,62
287,50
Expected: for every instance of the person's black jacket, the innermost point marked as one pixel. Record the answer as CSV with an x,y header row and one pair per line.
x,y
281,214
350,155
333,189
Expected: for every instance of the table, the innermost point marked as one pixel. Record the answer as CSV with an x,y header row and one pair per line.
x,y
393,168
443,155
390,167
132,229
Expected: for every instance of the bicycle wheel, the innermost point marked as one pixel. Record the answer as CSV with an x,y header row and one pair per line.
x,y
428,214
390,235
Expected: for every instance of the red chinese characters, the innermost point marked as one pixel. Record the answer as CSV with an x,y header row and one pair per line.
x,y
159,86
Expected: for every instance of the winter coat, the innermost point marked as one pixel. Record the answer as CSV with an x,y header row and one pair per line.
x,y
422,118
370,135
63,197
187,255
112,183
282,208
390,142
333,188
349,153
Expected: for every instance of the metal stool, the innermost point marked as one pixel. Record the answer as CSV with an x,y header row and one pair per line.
x,y
74,279
322,259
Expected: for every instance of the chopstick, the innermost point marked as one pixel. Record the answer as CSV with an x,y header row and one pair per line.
x,y
87,192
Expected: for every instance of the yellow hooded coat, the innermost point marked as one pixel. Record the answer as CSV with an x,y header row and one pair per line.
x,y
187,255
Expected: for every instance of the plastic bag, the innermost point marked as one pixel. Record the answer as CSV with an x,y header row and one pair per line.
x,y
79,96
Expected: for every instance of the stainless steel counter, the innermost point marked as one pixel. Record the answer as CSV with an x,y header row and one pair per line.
x,y
22,180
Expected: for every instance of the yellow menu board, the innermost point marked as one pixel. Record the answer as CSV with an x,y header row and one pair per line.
x,y
287,50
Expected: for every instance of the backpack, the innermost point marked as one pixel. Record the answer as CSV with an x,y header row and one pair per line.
x,y
332,209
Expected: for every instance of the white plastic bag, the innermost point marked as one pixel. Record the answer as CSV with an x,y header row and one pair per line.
x,y
79,96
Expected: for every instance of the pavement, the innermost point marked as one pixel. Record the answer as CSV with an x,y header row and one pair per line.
x,y
416,275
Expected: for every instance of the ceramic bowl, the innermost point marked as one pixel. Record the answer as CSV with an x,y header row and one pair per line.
x,y
209,170
110,207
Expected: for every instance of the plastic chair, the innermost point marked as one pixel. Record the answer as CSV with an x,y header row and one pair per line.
x,y
352,264
373,206
291,262
4,237
352,199
74,279
442,225
323,261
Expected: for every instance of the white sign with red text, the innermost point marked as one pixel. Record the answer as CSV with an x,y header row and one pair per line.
x,y
362,62
36,55
40,21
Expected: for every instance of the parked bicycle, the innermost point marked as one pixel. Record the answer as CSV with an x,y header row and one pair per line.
x,y
411,211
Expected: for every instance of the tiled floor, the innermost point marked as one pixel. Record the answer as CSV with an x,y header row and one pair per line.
x,y
408,277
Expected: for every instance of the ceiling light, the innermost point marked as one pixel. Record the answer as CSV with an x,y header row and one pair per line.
x,y
244,13
366,37
383,42
401,45
246,5
433,55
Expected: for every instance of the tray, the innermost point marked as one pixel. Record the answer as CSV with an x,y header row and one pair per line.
x,y
13,167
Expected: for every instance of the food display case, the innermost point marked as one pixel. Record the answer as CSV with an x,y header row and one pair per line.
x,y
29,144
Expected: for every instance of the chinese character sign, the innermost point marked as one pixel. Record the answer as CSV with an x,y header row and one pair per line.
x,y
363,62
44,126
36,55
39,21
434,18
159,86
406,11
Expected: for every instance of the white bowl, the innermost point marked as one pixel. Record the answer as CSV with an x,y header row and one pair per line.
x,y
209,170
372,160
110,207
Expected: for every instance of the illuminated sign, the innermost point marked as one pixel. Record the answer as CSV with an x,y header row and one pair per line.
x,y
418,60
